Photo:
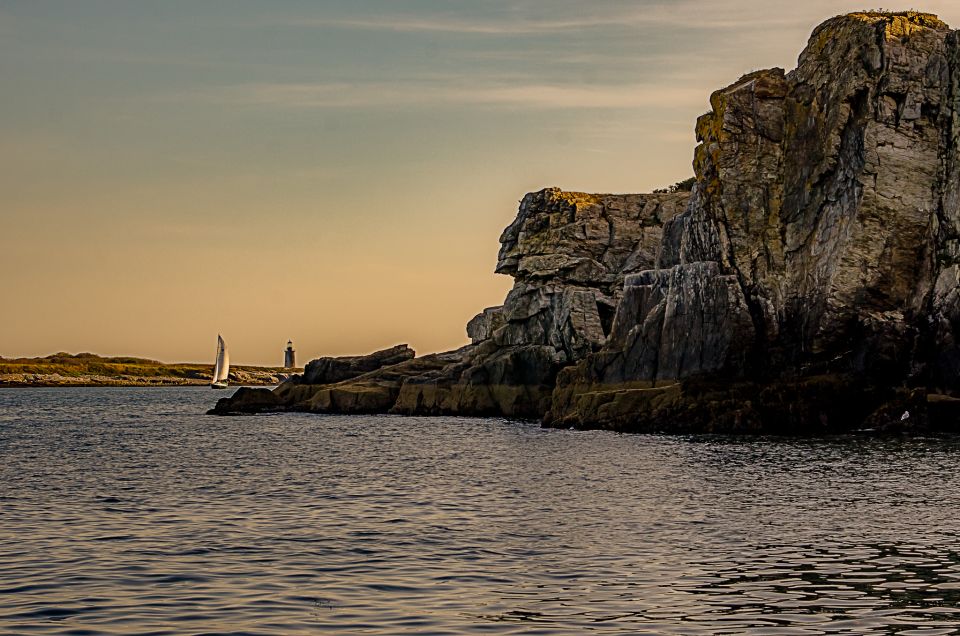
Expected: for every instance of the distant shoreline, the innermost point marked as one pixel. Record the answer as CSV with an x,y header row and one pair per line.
x,y
90,370
121,385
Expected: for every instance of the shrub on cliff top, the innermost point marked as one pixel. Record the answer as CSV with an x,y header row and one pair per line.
x,y
680,186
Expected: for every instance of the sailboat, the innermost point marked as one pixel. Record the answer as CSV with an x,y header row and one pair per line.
x,y
221,368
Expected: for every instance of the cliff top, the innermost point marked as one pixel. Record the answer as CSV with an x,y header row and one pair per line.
x,y
918,18
574,198
897,24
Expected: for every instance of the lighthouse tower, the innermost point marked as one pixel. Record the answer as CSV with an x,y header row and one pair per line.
x,y
289,356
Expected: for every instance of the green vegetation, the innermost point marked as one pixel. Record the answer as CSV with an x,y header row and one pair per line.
x,y
881,12
918,18
680,186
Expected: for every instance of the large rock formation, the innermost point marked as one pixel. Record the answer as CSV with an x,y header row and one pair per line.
x,y
814,271
809,282
568,253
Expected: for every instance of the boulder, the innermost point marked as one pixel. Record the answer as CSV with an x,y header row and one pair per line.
x,y
482,326
332,370
247,400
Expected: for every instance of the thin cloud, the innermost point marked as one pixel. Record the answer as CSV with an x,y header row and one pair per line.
x,y
438,24
659,15
724,15
530,96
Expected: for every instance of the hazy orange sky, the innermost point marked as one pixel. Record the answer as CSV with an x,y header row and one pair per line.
x,y
335,172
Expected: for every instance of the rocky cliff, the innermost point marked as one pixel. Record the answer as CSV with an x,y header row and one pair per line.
x,y
808,283
568,253
811,279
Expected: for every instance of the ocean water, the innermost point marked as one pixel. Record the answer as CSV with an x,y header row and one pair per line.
x,y
128,511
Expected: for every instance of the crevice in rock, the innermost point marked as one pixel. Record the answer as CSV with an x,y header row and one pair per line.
x,y
606,313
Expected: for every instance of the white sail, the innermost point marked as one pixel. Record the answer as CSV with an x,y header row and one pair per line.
x,y
221,368
224,360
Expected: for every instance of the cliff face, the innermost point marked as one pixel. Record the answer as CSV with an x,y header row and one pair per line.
x,y
568,253
808,283
818,249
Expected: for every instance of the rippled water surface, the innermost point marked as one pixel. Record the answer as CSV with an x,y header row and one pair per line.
x,y
127,511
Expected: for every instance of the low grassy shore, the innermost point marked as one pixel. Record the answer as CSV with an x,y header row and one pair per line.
x,y
87,369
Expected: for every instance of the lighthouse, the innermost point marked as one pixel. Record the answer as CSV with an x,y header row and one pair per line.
x,y
289,356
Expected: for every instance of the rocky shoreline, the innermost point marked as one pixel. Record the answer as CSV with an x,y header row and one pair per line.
x,y
808,283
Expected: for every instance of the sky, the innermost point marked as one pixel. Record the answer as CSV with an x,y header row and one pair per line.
x,y
336,172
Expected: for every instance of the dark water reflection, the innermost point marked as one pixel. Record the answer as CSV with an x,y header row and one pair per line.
x,y
125,511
